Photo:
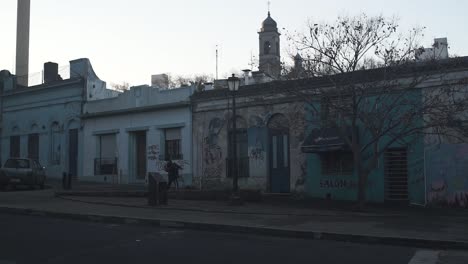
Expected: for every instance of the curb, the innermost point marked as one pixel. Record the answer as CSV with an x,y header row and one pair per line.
x,y
253,230
218,211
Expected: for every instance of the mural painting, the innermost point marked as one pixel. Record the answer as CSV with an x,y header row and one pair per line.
x,y
257,153
213,162
447,176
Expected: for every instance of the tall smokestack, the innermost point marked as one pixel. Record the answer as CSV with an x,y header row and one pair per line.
x,y
22,42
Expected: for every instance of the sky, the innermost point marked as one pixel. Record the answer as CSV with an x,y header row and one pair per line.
x,y
128,41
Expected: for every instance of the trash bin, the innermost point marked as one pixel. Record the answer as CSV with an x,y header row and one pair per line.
x,y
152,189
163,193
157,189
66,181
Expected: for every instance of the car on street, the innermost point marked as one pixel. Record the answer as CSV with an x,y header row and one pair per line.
x,y
18,171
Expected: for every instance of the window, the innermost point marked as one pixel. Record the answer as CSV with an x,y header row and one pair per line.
x,y
14,146
22,164
266,47
337,163
10,164
55,146
242,154
333,108
105,162
173,148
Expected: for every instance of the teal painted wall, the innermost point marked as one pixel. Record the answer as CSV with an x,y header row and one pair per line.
x,y
344,187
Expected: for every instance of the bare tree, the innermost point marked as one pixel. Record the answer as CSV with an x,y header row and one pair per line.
x,y
121,87
362,81
180,80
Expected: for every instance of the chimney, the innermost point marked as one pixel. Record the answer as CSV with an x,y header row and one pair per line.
x,y
50,72
160,81
246,76
22,42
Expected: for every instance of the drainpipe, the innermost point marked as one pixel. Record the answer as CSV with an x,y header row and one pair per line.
x,y
425,178
191,140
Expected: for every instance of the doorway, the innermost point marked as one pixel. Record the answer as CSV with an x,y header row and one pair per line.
x,y
140,155
73,152
279,160
33,146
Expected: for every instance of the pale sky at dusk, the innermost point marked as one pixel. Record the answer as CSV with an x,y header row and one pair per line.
x,y
130,40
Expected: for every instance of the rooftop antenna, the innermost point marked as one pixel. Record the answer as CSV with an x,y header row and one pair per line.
x,y
216,62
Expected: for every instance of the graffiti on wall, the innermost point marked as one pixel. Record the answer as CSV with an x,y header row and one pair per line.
x,y
447,174
337,184
257,152
154,155
348,184
212,152
153,152
416,169
303,176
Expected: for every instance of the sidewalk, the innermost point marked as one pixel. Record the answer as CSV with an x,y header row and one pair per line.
x,y
405,229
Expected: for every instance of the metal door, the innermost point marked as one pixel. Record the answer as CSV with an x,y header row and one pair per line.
x,y
396,175
279,162
73,152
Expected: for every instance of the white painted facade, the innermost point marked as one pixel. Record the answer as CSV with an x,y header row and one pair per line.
x,y
145,110
51,113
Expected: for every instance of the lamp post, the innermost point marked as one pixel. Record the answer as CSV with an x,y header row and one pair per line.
x,y
233,84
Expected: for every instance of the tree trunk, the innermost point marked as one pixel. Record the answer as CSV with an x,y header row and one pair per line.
x,y
362,181
362,186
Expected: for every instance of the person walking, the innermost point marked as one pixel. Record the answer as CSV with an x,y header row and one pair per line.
x,y
172,169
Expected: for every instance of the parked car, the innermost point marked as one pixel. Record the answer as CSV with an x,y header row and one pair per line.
x,y
18,171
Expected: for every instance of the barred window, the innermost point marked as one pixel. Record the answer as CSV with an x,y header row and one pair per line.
x,y
337,163
173,148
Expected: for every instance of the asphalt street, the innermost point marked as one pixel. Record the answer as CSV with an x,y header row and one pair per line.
x,y
36,239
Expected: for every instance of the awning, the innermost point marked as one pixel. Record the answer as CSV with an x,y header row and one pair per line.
x,y
325,140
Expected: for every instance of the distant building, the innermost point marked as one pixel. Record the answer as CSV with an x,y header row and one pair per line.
x,y
438,51
160,81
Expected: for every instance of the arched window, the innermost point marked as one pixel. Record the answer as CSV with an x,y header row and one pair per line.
x,y
279,122
266,47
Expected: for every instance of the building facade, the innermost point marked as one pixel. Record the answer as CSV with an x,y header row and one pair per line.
x,y
43,122
270,130
128,136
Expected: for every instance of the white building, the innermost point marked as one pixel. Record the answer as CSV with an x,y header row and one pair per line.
x,y
135,133
438,51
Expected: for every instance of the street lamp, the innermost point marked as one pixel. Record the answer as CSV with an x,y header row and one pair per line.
x,y
233,84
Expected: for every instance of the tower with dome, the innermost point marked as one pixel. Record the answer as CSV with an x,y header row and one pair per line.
x,y
269,40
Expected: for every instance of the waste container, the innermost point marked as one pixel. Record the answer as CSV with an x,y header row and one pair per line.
x,y
157,189
162,193
66,181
